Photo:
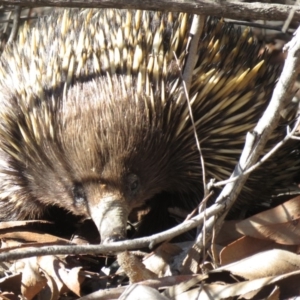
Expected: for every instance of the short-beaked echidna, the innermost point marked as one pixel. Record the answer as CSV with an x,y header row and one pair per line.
x,y
92,117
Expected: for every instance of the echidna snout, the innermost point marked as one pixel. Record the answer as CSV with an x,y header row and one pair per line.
x,y
110,210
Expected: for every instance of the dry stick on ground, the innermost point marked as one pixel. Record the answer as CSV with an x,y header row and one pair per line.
x,y
255,142
227,9
116,246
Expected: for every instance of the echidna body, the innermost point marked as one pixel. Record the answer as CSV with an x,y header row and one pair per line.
x,y
93,119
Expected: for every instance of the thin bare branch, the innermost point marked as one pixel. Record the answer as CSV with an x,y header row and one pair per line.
x,y
228,9
195,34
113,247
16,24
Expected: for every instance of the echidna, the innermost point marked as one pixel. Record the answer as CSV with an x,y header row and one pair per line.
x,y
92,117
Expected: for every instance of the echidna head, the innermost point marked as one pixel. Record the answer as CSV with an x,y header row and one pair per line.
x,y
100,150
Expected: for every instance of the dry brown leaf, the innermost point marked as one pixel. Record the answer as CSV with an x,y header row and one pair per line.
x,y
280,224
182,287
51,266
247,246
9,296
72,279
32,280
242,248
273,295
17,234
113,293
19,224
262,288
259,287
159,261
31,236
51,291
48,276
11,283
137,292
268,263
228,233
8,243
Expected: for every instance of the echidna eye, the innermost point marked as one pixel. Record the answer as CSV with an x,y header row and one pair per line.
x,y
134,183
78,194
